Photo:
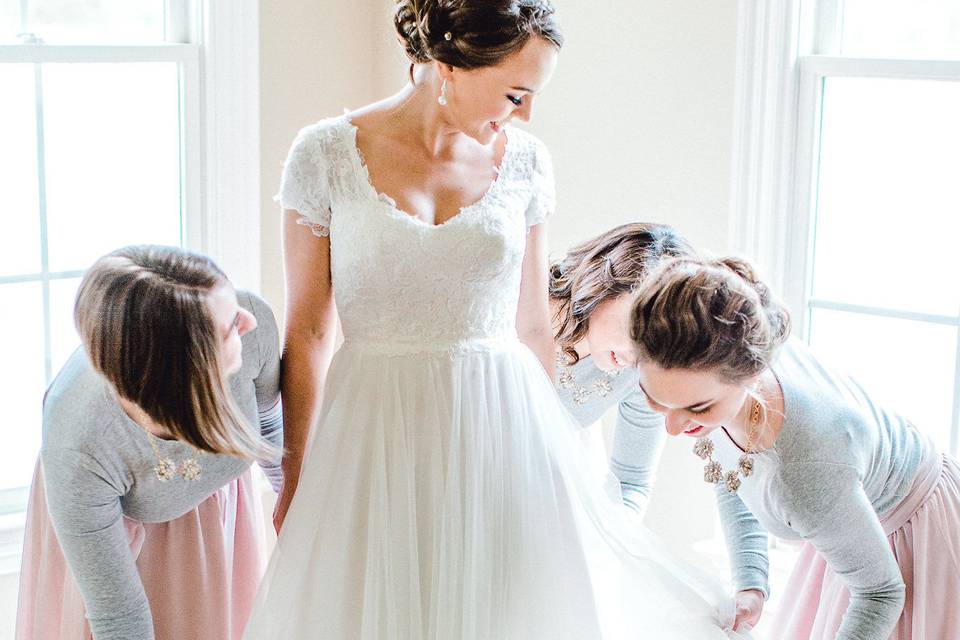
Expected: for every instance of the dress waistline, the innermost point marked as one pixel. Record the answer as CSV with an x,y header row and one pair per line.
x,y
452,347
924,484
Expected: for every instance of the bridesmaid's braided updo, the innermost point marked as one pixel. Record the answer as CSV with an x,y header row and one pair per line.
x,y
471,34
713,315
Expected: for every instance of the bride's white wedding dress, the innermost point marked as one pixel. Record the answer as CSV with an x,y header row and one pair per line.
x,y
444,495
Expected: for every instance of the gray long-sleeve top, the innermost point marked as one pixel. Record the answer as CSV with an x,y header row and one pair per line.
x,y
98,467
639,435
840,463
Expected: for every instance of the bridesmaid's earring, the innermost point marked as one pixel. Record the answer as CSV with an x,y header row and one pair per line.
x,y
443,94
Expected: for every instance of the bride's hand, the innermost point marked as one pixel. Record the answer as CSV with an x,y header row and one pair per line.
x,y
749,606
283,504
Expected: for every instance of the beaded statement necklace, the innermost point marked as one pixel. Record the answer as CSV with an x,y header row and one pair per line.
x,y
713,473
581,394
166,469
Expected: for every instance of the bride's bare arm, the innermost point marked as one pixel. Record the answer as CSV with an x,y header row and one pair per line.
x,y
309,335
533,314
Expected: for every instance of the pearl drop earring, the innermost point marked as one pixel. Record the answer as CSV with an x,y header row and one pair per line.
x,y
443,94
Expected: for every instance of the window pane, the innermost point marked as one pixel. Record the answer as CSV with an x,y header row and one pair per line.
x,y
19,208
9,21
102,21
63,336
112,158
22,381
888,206
901,28
908,366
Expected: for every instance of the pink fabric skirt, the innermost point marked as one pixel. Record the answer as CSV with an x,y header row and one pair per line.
x,y
200,571
924,535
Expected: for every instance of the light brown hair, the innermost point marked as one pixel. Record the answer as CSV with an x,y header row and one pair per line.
x,y
482,32
712,315
604,268
144,320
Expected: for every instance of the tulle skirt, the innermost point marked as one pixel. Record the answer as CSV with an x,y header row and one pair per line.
x,y
924,535
200,571
445,496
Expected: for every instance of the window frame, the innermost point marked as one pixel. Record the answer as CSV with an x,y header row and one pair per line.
x,y
216,47
783,59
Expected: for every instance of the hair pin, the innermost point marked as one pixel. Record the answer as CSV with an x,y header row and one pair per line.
x,y
448,36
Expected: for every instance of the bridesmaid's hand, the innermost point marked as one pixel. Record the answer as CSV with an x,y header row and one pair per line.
x,y
749,606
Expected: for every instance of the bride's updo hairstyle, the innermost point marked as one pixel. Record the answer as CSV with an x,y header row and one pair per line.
x,y
708,315
470,34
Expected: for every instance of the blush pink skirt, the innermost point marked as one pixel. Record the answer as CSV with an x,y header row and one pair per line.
x,y
924,535
200,571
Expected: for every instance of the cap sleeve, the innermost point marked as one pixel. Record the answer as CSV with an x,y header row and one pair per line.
x,y
305,183
543,199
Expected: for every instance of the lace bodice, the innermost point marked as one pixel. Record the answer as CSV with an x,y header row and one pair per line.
x,y
402,285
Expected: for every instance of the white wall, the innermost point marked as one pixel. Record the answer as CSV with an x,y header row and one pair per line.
x,y
316,59
639,116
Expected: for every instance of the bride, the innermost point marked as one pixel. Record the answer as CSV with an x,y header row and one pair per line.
x,y
441,493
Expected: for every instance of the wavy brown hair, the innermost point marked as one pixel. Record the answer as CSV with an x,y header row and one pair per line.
x,y
482,32
144,320
603,268
713,315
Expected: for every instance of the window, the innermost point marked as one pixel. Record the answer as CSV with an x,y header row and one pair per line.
x,y
122,121
85,173
846,188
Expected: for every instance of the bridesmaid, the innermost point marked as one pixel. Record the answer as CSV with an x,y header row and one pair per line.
x,y
143,516
590,298
802,451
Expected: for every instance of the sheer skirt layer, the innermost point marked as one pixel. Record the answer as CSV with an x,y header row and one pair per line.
x,y
445,495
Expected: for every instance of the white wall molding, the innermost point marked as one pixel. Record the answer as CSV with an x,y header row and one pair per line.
x,y
765,133
49,53
848,67
230,112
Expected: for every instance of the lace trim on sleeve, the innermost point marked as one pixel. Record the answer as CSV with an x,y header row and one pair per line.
x,y
305,182
319,230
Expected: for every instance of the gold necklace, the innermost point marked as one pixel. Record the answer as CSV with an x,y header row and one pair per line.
x,y
166,469
713,473
580,393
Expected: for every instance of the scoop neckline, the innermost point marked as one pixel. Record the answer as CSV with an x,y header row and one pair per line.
x,y
363,176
